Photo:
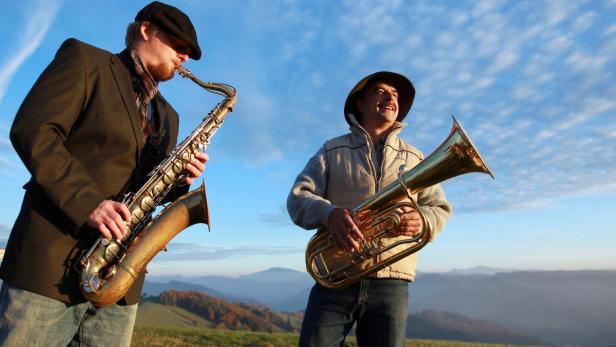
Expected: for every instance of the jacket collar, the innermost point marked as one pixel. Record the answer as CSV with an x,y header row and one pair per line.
x,y
358,133
122,73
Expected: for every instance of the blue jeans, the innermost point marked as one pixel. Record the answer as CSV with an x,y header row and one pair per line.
x,y
30,319
379,306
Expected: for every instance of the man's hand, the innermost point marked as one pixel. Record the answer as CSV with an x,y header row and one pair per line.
x,y
196,166
108,218
342,226
411,223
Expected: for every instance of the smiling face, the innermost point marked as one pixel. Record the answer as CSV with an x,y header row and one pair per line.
x,y
379,105
160,52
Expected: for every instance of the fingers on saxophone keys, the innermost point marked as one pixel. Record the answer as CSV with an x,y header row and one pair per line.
x,y
104,231
109,229
124,212
202,157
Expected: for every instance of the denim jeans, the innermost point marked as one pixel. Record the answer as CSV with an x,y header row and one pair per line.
x,y
379,306
30,319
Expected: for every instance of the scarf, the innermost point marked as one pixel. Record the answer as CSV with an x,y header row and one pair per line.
x,y
146,89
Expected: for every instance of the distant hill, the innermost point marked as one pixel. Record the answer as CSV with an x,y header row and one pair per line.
x,y
227,315
155,288
452,326
271,287
295,302
561,307
192,309
277,275
480,270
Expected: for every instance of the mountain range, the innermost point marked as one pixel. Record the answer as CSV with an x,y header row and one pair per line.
x,y
195,309
559,307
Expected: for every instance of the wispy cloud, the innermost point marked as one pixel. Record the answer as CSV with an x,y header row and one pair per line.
x,y
8,160
280,219
531,81
524,81
35,28
188,252
5,230
4,142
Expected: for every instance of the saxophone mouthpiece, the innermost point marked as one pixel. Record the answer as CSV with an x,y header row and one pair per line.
x,y
183,71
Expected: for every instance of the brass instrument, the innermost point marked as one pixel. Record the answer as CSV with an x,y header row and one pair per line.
x,y
110,267
335,267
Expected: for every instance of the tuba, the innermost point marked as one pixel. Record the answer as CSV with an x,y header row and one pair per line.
x,y
110,267
334,267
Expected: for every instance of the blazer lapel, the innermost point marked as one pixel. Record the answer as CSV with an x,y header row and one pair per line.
x,y
168,123
124,84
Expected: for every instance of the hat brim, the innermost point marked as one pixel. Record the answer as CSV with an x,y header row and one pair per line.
x,y
406,93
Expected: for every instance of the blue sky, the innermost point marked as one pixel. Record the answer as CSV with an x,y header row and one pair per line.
x,y
531,81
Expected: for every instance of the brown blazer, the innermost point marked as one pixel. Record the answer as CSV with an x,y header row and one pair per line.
x,y
78,133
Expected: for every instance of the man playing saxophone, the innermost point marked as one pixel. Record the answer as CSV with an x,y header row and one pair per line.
x,y
91,128
345,171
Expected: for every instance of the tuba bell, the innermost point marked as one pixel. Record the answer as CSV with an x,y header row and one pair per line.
x,y
335,267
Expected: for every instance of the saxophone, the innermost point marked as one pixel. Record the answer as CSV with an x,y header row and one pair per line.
x,y
110,267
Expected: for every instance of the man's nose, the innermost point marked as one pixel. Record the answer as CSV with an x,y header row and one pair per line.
x,y
183,57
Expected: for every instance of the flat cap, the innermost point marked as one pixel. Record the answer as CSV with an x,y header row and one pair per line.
x,y
174,22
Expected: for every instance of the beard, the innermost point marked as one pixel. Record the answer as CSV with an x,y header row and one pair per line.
x,y
161,72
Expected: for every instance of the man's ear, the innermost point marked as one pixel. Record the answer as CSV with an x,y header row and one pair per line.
x,y
145,30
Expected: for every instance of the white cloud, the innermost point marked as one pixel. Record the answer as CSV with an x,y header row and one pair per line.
x,y
188,251
484,6
523,92
34,30
5,143
523,86
558,44
445,40
414,41
484,82
556,12
610,30
504,60
584,21
582,62
459,18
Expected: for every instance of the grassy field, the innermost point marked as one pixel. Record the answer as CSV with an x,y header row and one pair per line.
x,y
175,336
156,315
170,326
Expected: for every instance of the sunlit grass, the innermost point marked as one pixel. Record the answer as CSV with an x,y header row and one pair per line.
x,y
174,337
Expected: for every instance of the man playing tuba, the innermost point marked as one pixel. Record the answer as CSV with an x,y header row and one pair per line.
x,y
345,171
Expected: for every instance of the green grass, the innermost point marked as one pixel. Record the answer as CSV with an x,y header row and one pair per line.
x,y
152,314
171,326
176,336
172,337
